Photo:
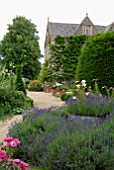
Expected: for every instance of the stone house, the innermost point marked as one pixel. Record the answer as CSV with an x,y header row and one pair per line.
x,y
86,27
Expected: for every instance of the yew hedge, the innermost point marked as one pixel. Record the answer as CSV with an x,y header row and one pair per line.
x,y
97,61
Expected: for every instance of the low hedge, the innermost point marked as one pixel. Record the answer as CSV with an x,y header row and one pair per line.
x,y
66,96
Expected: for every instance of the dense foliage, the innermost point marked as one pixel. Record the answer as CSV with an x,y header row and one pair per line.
x,y
20,46
53,140
97,60
64,55
46,72
66,96
19,83
12,100
35,85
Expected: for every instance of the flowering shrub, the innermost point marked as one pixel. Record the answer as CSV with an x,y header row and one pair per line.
x,y
57,142
10,98
7,149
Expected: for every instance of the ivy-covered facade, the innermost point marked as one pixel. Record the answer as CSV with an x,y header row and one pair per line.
x,y
63,46
86,27
64,57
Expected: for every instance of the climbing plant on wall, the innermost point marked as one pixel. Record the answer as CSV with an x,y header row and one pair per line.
x,y
64,55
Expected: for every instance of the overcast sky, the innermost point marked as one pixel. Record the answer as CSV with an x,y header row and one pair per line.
x,y
101,12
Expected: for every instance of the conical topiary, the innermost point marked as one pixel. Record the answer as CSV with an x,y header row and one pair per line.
x,y
19,84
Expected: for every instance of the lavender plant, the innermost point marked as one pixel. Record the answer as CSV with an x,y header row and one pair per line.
x,y
52,141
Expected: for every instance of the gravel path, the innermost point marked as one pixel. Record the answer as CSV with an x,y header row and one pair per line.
x,y
4,126
41,100
44,100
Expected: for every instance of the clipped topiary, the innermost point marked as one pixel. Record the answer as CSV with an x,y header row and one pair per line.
x,y
66,96
19,84
63,97
97,61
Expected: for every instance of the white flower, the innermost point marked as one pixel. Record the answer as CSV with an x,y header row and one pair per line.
x,y
6,70
83,81
58,84
104,87
74,97
78,86
84,85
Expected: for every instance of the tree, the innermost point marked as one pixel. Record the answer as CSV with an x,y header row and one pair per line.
x,y
20,46
46,72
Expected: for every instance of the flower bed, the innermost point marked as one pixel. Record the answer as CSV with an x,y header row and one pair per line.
x,y
54,141
6,153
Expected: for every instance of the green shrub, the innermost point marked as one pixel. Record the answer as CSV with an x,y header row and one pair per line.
x,y
35,85
28,102
2,94
19,83
65,96
12,100
56,95
19,99
1,113
97,61
18,110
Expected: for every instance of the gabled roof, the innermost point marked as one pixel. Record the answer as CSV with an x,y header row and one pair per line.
x,y
110,27
100,28
64,29
86,22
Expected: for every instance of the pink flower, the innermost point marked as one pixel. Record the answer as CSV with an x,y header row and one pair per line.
x,y
16,161
4,145
2,155
23,165
15,142
8,139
